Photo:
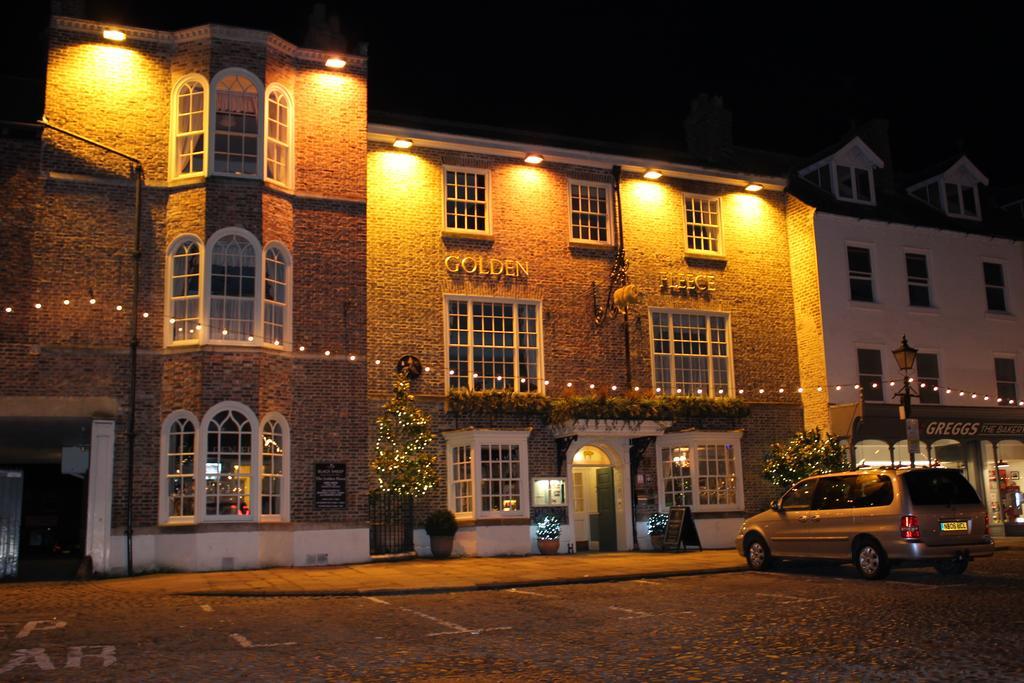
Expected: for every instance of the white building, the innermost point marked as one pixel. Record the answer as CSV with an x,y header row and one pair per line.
x,y
932,258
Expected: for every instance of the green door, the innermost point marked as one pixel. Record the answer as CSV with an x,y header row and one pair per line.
x,y
606,508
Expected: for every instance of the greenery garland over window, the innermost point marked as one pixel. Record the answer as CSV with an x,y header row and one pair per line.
x,y
629,407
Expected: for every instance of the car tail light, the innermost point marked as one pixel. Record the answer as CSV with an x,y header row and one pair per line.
x,y
909,527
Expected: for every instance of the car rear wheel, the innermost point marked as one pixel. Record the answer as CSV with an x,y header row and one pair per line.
x,y
759,557
871,561
952,566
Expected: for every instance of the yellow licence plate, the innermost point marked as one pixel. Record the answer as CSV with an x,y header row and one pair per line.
x,y
952,526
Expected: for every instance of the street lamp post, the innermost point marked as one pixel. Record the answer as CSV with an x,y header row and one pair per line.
x,y
905,356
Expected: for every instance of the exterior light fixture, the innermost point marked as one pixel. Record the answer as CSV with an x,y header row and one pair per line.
x,y
402,143
533,159
754,187
652,174
335,63
114,35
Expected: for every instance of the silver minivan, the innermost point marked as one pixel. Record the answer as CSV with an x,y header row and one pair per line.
x,y
875,518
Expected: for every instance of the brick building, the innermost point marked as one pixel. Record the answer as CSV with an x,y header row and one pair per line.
x,y
291,254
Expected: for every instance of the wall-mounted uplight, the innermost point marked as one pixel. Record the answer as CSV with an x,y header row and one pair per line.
x,y
652,174
533,159
335,63
754,187
402,143
114,34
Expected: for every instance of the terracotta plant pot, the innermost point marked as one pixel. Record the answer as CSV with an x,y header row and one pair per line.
x,y
548,547
441,546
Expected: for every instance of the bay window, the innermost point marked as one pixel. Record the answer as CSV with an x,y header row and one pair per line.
x,y
700,470
487,473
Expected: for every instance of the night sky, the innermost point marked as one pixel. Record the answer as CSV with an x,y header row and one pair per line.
x,y
795,79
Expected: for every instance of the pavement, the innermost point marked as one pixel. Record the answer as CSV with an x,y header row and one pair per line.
x,y
426,575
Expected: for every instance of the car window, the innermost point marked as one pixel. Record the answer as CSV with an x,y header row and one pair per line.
x,y
834,493
799,497
939,487
871,490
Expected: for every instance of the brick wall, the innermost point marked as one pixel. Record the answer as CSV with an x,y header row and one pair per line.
x,y
807,304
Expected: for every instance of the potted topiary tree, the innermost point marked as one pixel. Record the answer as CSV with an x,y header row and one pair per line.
x,y
549,530
656,525
441,527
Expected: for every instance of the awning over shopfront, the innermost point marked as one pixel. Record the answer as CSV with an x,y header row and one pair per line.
x,y
882,422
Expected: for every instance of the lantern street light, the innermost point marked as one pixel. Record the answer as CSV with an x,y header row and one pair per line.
x,y
905,356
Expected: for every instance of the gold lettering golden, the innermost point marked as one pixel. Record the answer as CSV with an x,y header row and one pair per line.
x,y
521,269
471,262
510,268
451,264
711,283
701,283
688,283
496,266
480,265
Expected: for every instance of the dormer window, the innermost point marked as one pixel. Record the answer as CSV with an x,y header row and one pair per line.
x,y
955,192
849,174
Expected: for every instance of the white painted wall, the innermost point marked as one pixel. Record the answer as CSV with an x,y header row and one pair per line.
x,y
958,327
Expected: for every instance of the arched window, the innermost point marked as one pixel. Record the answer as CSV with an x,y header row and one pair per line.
x,y
178,489
188,122
184,271
236,124
229,463
274,467
232,297
279,136
276,316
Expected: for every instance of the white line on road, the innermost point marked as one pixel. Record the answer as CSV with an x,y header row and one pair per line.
x,y
636,614
206,608
245,642
787,599
455,629
520,590
377,600
652,583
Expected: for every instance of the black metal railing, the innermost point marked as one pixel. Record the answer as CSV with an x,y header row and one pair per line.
x,y
390,523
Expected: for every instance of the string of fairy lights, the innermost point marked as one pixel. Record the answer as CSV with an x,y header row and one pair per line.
x,y
501,382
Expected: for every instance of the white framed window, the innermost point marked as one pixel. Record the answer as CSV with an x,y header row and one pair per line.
x,y
858,260
237,123
231,291
277,314
691,352
590,212
1006,378
466,206
928,375
274,465
917,279
229,455
703,224
702,470
189,104
493,344
183,303
995,286
854,184
488,474
869,373
961,200
280,129
178,445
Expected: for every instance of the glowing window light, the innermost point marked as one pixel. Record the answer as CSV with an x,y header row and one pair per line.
x,y
335,63
114,35
652,174
754,187
533,159
402,143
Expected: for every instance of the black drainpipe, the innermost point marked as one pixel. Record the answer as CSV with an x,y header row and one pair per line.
x,y
133,351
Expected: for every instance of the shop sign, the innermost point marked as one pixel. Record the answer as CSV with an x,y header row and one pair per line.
x,y
954,428
486,266
688,284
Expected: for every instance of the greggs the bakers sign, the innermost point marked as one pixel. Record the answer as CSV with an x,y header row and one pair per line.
x,y
956,428
486,266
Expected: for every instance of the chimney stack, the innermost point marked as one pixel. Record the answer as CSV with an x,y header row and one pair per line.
x,y
708,127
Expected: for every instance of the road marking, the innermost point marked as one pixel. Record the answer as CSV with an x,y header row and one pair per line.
x,y
41,625
245,642
636,614
206,608
377,600
37,655
106,654
785,598
520,590
454,629
652,583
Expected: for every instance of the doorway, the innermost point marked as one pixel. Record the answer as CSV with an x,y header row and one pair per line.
x,y
595,506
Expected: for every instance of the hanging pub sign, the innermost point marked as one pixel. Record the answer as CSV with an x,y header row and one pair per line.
x,y
486,266
329,488
688,284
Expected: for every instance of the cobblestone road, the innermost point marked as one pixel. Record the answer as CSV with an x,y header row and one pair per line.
x,y
807,622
